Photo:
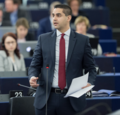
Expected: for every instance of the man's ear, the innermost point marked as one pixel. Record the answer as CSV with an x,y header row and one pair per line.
x,y
69,18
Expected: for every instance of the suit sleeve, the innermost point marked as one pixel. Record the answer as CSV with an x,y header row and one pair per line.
x,y
88,62
37,61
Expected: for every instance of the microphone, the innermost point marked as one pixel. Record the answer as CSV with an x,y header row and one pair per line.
x,y
114,70
47,67
26,86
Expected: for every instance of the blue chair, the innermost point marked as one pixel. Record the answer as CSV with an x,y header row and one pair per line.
x,y
100,3
106,45
104,34
98,16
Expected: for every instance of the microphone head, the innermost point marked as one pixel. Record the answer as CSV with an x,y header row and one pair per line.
x,y
18,84
47,66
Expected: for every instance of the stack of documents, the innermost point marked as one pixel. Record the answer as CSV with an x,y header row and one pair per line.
x,y
76,90
105,93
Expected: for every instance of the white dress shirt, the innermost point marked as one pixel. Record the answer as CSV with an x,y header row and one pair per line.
x,y
66,37
21,40
14,64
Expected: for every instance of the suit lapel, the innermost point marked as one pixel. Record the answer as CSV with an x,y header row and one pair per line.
x,y
72,42
52,46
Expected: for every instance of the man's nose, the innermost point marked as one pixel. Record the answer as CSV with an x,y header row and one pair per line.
x,y
54,18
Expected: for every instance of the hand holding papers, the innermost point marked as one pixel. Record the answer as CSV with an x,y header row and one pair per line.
x,y
75,89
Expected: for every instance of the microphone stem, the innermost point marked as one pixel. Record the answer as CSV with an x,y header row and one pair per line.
x,y
46,90
27,87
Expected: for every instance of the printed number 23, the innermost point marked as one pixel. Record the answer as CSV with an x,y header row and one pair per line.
x,y
18,94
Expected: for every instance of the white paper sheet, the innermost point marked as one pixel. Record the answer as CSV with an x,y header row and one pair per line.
x,y
75,89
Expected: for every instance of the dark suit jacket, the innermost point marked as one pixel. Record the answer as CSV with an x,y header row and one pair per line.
x,y
79,58
44,26
6,24
21,14
30,37
81,13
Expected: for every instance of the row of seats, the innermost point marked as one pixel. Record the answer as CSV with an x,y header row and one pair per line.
x,y
12,83
96,2
96,16
105,64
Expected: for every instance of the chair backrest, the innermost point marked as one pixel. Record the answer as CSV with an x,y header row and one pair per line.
x,y
22,106
105,64
4,30
13,73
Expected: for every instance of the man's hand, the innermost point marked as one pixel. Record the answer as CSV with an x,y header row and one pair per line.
x,y
88,84
33,82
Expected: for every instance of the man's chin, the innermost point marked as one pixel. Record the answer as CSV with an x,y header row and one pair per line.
x,y
55,27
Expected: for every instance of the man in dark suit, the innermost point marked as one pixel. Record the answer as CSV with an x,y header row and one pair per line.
x,y
67,53
46,25
1,19
13,12
1,16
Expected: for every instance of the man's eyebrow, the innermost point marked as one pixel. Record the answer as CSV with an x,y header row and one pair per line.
x,y
56,14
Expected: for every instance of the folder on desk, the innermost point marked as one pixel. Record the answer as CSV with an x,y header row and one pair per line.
x,y
105,93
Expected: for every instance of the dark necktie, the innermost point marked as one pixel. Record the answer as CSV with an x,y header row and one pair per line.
x,y
61,72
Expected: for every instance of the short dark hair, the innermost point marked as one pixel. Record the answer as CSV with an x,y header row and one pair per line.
x,y
17,2
66,9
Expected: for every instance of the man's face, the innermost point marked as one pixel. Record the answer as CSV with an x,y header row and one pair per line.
x,y
60,20
74,5
9,5
1,16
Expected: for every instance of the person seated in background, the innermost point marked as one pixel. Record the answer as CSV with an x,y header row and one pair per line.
x,y
10,57
82,24
75,5
1,19
46,25
13,12
22,27
1,16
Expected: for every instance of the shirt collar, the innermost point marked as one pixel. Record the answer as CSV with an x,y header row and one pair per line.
x,y
14,13
66,33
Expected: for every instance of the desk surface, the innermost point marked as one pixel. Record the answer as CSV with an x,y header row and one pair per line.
x,y
103,98
109,75
94,98
117,56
